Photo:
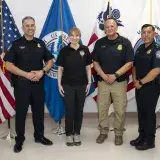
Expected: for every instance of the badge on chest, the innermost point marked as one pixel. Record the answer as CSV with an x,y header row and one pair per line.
x,y
149,51
119,48
38,45
81,53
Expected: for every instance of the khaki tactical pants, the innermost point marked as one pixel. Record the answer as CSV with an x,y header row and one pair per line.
x,y
117,93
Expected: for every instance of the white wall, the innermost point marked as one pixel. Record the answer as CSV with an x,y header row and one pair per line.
x,y
84,13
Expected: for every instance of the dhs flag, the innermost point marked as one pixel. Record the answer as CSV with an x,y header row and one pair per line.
x,y
55,35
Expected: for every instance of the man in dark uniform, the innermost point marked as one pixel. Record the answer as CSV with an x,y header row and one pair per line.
x,y
112,57
24,60
146,78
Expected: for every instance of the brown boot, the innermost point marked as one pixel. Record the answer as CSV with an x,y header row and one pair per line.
x,y
101,138
118,140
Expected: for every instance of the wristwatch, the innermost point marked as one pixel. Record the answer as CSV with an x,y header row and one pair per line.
x,y
116,75
140,83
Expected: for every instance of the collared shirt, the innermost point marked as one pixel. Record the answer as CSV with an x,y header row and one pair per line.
x,y
74,63
146,59
28,55
113,54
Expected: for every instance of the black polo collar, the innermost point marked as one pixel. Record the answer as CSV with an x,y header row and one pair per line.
x,y
25,40
117,40
81,47
150,46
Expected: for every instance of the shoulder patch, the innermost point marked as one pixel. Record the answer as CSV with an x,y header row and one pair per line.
x,y
158,54
157,45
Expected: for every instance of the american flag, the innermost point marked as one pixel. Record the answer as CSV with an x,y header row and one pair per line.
x,y
8,33
98,32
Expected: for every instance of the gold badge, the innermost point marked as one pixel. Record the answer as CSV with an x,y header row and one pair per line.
x,y
119,47
38,45
149,51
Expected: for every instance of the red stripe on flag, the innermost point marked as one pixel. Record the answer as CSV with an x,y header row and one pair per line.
x,y
7,94
4,111
130,86
92,39
95,98
6,73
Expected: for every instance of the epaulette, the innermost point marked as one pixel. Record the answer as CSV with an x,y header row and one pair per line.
x,y
157,46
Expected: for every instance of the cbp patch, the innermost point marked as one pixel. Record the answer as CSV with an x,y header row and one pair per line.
x,y
119,47
82,53
158,54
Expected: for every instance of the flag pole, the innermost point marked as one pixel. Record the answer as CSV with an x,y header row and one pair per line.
x,y
109,1
9,135
61,18
1,14
60,130
150,11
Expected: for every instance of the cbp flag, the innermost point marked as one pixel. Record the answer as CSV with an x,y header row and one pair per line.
x,y
55,35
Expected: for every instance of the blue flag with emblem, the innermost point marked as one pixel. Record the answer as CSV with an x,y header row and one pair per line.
x,y
55,35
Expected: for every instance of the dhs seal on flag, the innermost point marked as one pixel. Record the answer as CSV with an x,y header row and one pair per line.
x,y
55,41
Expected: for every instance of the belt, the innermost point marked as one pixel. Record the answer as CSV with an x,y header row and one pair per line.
x,y
115,80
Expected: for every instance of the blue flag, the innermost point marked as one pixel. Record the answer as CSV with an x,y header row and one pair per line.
x,y
55,35
9,32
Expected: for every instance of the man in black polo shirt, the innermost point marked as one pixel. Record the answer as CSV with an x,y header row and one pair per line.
x,y
146,76
112,57
24,60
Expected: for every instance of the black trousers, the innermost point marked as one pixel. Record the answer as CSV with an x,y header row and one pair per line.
x,y
29,93
146,99
74,101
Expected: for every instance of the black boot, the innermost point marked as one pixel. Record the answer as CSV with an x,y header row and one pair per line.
x,y
17,147
44,141
137,141
147,144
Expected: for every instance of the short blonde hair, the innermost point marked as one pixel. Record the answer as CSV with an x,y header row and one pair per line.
x,y
75,30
